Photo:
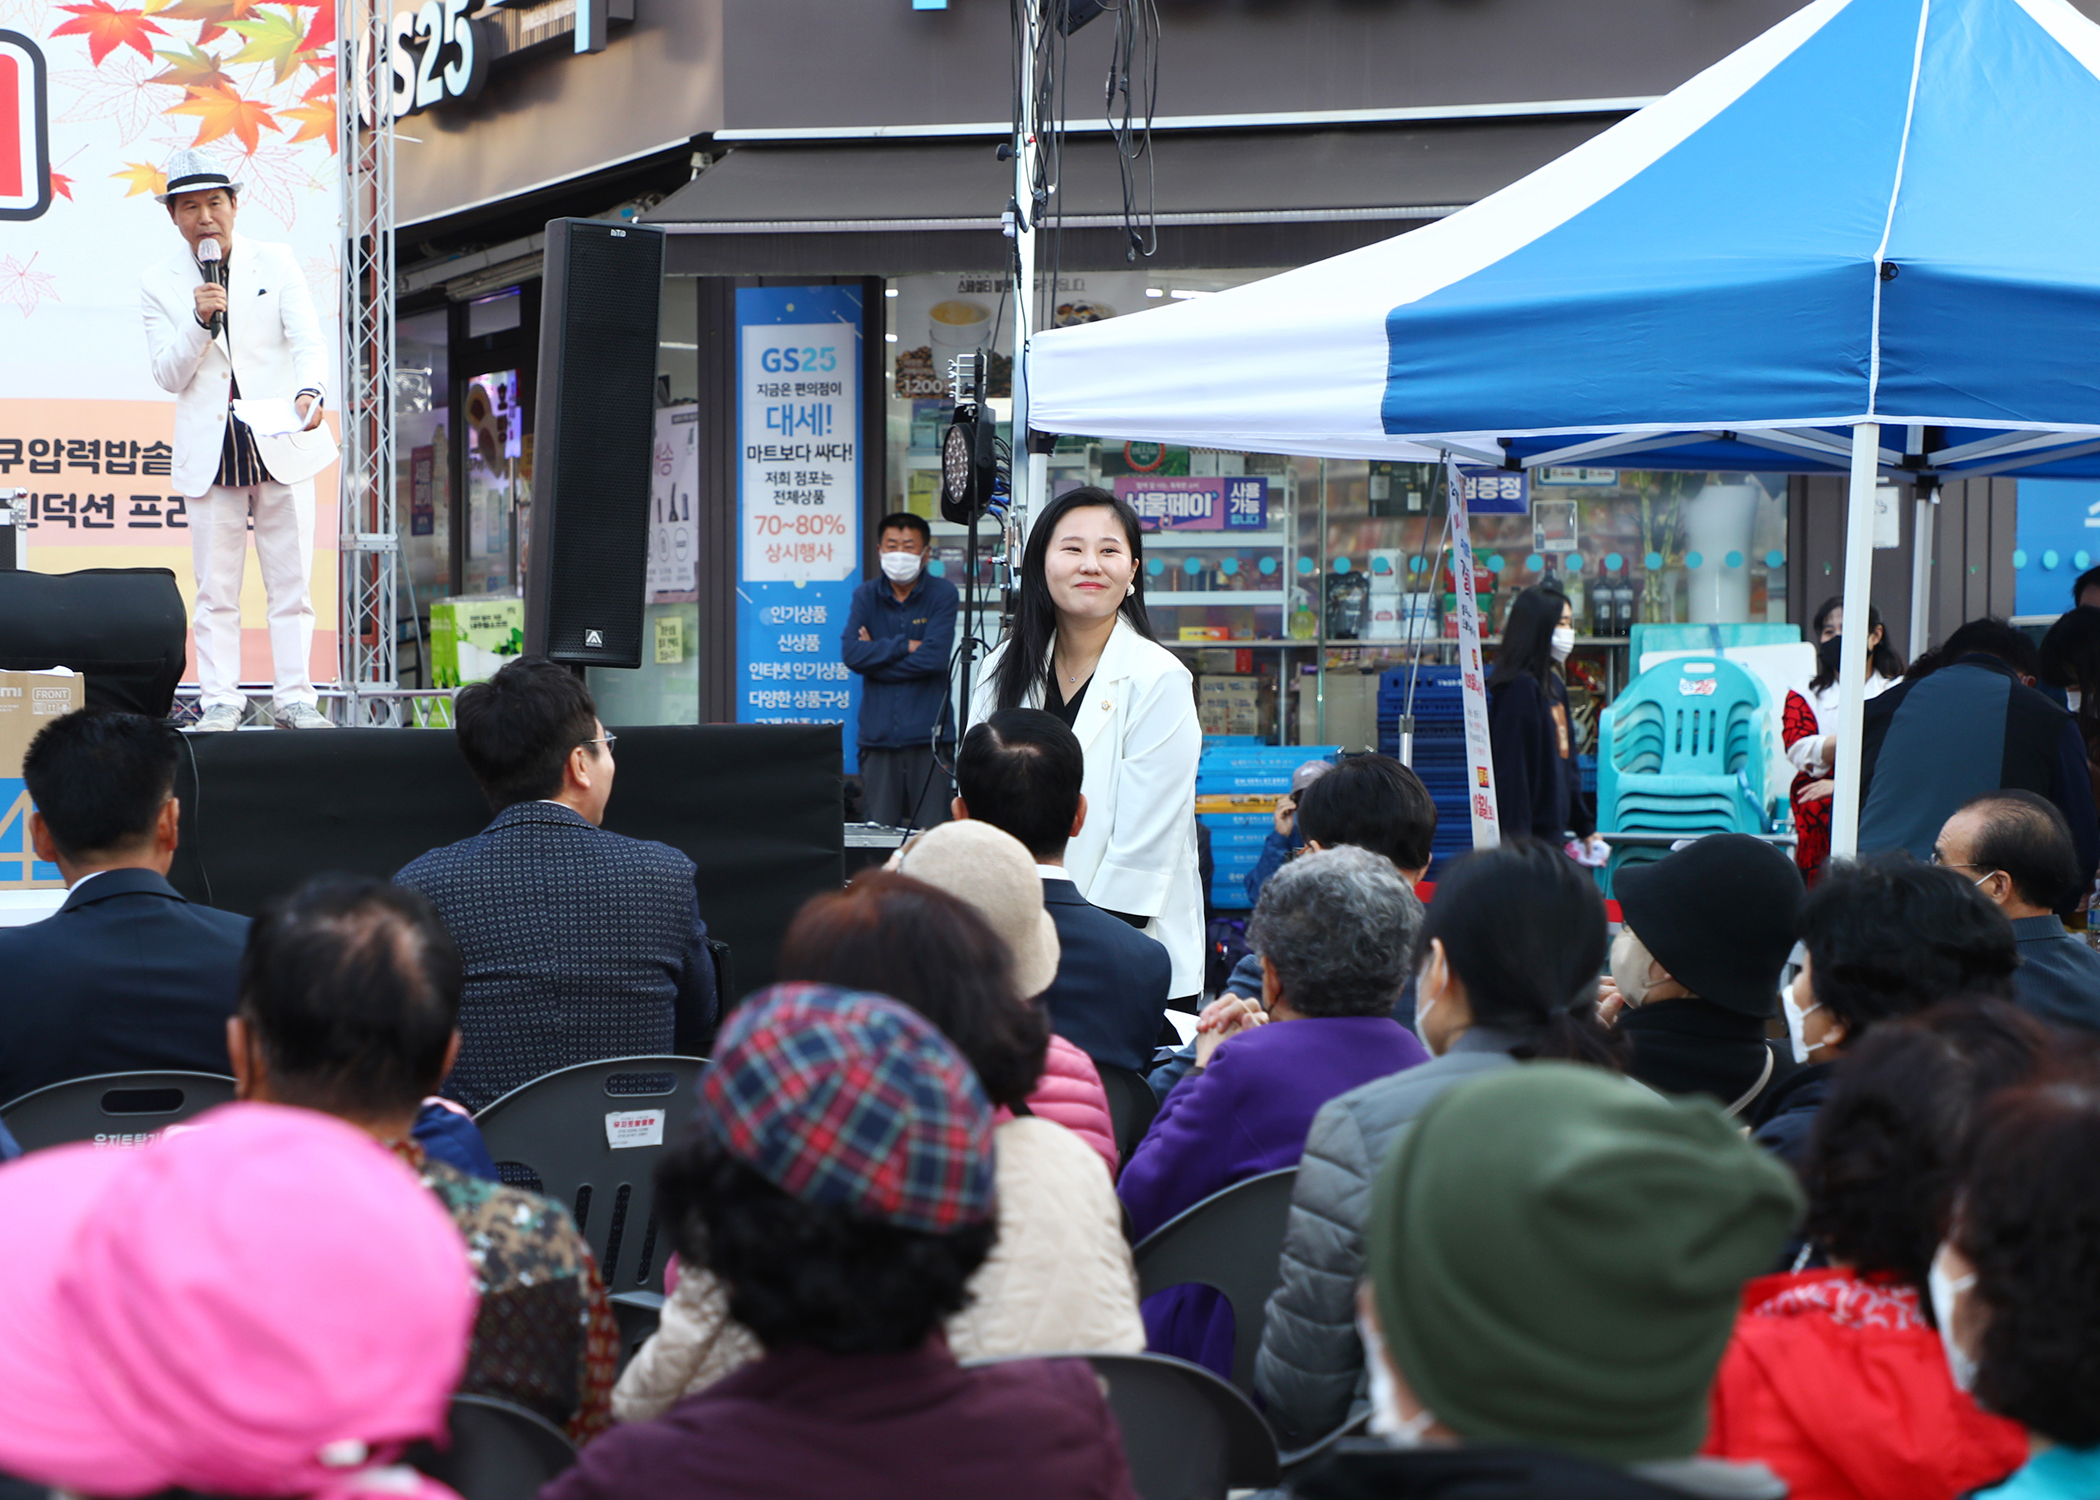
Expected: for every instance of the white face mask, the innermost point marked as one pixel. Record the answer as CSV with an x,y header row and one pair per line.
x,y
1796,1019
1945,1290
1424,1001
2074,697
1386,1421
900,567
1629,966
1563,642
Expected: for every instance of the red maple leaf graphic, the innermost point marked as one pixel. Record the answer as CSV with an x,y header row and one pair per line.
x,y
108,28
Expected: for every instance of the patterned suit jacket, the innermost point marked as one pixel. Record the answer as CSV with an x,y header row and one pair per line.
x,y
579,945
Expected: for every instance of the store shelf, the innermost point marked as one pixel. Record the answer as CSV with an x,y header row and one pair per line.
x,y
1250,640
1176,598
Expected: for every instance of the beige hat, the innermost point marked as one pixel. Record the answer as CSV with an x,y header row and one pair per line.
x,y
994,872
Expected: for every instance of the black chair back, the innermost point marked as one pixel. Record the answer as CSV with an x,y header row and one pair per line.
x,y
589,1137
499,1451
112,1109
1131,1106
1187,1435
1232,1242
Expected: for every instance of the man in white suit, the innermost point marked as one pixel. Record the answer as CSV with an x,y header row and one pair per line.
x,y
267,345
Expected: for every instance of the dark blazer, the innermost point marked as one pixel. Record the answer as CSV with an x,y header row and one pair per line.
x,y
1534,782
579,945
126,976
2059,976
1110,994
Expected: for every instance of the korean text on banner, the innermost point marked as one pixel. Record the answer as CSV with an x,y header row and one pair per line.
x,y
798,503
94,100
1480,757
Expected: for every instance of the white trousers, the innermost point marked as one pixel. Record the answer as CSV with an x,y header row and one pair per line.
x,y
284,548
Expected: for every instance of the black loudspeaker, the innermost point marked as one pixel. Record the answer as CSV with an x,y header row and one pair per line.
x,y
121,628
588,565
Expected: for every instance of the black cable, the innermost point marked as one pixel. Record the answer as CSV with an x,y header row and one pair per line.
x,y
197,817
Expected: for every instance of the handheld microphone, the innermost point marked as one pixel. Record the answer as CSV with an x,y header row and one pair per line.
x,y
213,261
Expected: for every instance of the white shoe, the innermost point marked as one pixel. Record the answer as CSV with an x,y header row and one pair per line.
x,y
217,719
299,716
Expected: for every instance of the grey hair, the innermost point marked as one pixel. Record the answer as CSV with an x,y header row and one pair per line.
x,y
1340,927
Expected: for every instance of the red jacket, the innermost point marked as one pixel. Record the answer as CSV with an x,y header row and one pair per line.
x,y
1837,1383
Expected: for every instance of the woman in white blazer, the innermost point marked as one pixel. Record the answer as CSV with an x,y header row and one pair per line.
x,y
1081,646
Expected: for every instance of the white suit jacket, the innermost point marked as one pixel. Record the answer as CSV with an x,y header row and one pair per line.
x,y
276,350
1137,850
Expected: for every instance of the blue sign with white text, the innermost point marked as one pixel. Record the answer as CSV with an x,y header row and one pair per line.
x,y
798,504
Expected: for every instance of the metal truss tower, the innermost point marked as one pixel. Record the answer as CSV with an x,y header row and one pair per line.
x,y
370,539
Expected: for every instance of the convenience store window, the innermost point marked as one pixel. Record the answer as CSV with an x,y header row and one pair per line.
x,y
1289,584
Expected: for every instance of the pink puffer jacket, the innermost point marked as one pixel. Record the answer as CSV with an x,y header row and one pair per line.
x,y
1070,1093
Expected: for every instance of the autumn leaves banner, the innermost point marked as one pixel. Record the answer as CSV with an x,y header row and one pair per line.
x,y
83,427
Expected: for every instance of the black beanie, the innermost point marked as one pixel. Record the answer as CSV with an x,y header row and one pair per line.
x,y
1719,915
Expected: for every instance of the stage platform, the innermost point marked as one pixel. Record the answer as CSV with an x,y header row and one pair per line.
x,y
757,808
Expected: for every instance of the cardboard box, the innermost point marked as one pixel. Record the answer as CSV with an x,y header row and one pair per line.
x,y
471,638
28,701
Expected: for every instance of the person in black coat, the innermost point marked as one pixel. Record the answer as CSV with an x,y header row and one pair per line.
x,y
1531,734
127,975
1020,771
1707,933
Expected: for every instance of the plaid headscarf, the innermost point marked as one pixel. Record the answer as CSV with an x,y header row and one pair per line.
x,y
852,1100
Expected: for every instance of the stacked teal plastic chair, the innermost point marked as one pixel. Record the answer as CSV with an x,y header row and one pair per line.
x,y
1683,753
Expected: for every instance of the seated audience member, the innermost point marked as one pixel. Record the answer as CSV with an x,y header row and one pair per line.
x,y
1885,937
1020,771
838,1182
1491,993
1697,964
1336,932
2013,1290
2014,847
1059,1277
350,1006
1835,1377
993,874
579,944
1366,802
1518,1241
1966,722
127,975
1284,840
264,1304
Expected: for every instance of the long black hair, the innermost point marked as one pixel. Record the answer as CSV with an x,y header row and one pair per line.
x,y
1026,664
1523,929
1527,636
1885,663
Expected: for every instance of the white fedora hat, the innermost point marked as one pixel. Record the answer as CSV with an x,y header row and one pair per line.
x,y
191,171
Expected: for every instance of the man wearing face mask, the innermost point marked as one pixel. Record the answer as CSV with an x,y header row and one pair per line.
x,y
1884,937
1516,1343
898,637
1697,963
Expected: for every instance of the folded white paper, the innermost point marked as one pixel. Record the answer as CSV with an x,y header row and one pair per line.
x,y
268,416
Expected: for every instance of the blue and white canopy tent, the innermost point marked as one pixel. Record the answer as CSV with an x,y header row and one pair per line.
x,y
1866,242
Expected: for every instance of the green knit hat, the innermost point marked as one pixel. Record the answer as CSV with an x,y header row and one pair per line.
x,y
1557,1256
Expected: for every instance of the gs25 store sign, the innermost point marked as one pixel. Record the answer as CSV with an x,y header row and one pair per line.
x,y
791,361
442,51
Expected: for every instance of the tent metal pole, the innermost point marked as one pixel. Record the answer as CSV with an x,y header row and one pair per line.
x,y
1852,666
1921,531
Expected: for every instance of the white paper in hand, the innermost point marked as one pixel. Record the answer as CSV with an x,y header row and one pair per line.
x,y
268,416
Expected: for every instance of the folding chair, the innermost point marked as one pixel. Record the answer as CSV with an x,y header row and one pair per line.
x,y
499,1451
112,1109
589,1137
1231,1242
